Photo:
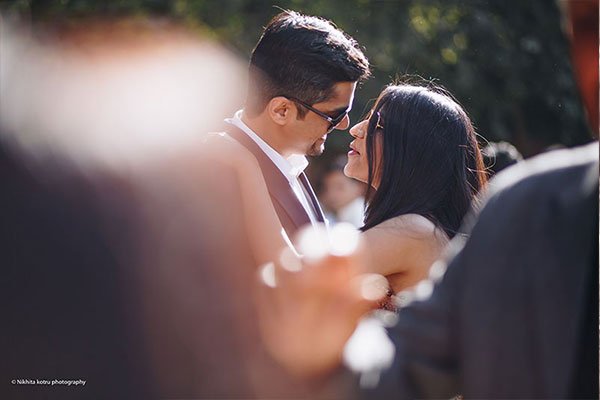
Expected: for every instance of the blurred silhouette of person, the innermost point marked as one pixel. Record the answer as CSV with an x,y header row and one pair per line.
x,y
124,261
499,155
302,77
511,313
342,197
67,312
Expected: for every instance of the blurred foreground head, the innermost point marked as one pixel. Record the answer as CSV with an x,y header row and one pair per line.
x,y
111,90
117,237
582,27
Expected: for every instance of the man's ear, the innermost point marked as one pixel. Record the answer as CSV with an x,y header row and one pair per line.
x,y
280,110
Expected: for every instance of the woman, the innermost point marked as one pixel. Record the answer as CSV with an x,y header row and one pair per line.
x,y
418,153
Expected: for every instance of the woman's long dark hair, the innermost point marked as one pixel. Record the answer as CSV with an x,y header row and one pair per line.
x,y
430,164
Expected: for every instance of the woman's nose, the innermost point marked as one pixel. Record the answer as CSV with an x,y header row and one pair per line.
x,y
357,131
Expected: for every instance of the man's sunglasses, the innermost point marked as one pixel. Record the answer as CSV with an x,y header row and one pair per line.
x,y
333,122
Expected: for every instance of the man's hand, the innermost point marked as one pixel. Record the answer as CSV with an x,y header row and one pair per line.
x,y
310,306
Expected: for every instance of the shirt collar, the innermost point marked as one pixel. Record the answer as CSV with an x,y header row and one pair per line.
x,y
291,166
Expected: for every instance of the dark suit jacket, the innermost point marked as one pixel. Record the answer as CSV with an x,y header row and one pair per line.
x,y
289,210
516,313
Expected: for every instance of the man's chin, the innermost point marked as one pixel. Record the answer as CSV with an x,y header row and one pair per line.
x,y
316,150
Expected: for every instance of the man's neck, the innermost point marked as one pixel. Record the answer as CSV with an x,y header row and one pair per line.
x,y
265,132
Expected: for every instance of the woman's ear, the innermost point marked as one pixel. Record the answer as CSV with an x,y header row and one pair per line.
x,y
280,110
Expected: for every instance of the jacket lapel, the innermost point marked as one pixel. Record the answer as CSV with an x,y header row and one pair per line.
x,y
283,197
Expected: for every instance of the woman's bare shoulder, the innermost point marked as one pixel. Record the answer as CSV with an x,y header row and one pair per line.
x,y
412,226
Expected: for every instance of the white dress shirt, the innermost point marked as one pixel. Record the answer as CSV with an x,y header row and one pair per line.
x,y
291,167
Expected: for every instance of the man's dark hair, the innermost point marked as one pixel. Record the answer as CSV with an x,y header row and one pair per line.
x,y
304,57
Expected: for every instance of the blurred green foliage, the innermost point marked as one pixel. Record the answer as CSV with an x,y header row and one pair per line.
x,y
507,62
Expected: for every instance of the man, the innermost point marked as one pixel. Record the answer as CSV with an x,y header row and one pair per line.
x,y
302,77
512,313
